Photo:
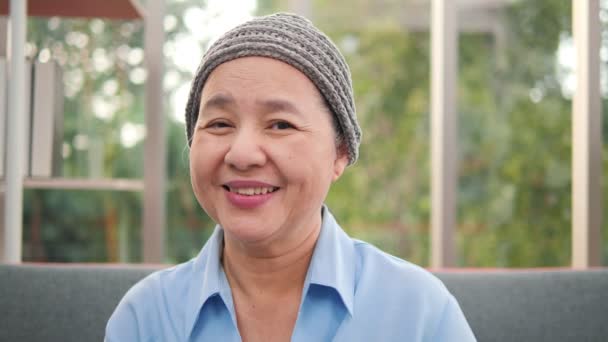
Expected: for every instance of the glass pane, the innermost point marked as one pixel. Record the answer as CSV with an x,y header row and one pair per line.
x,y
103,129
103,73
604,91
81,226
515,89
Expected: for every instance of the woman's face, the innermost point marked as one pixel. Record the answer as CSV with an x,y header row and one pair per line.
x,y
263,152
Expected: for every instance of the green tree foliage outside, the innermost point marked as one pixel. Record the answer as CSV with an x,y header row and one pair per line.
x,y
514,141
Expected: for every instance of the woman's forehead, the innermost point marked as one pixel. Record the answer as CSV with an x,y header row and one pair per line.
x,y
267,104
259,70
260,81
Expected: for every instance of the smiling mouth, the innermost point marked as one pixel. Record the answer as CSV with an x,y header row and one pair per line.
x,y
253,191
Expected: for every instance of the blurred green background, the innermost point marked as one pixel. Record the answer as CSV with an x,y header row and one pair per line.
x,y
514,106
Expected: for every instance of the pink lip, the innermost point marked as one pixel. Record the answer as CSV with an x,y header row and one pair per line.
x,y
246,201
248,184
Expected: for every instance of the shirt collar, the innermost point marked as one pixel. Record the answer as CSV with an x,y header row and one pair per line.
x,y
208,278
332,265
333,261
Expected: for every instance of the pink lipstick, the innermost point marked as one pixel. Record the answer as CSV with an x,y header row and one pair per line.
x,y
246,194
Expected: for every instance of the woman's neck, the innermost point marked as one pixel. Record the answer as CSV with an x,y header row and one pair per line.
x,y
258,271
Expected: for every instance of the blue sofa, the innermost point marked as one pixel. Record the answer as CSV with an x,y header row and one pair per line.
x,y
73,302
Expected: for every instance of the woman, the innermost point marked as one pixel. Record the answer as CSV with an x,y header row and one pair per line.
x,y
271,125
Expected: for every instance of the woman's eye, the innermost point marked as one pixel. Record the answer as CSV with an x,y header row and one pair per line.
x,y
218,124
281,125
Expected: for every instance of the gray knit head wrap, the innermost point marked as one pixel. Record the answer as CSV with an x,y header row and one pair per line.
x,y
294,40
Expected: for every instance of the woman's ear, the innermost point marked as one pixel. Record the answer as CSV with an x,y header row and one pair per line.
x,y
340,163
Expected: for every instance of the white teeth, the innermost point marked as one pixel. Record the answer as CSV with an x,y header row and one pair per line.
x,y
252,191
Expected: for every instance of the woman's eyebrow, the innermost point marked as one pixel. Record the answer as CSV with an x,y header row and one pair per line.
x,y
278,105
218,101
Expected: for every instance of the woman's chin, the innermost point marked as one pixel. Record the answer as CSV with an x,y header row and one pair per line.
x,y
247,233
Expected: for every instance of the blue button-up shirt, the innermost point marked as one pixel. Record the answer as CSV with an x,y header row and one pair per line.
x,y
352,292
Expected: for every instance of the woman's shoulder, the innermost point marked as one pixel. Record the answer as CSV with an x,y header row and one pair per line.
x,y
404,298
149,306
396,294
174,279
384,273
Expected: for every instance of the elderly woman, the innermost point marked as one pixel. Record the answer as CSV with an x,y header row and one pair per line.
x,y
271,125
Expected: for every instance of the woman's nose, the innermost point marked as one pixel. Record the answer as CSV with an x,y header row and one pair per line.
x,y
245,151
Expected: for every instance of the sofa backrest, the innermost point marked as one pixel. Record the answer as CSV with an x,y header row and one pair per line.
x,y
533,305
61,303
73,303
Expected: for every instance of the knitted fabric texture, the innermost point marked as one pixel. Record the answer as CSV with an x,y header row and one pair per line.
x,y
294,40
